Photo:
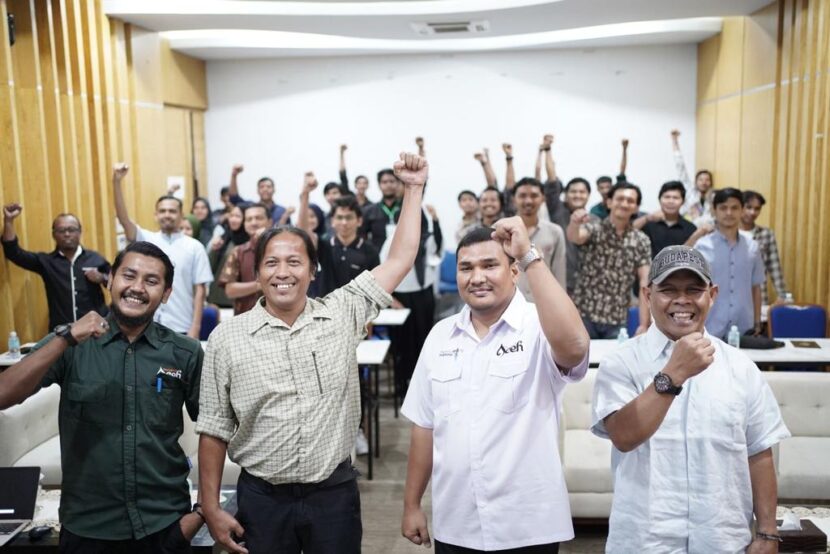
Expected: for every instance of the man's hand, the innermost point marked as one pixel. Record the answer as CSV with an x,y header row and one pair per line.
x,y
675,134
94,276
343,148
221,524
193,333
756,329
508,149
431,211
486,152
173,188
656,216
309,182
91,325
625,143
706,229
479,157
762,546
414,526
512,234
237,169
11,211
692,354
411,169
547,142
396,304
580,216
419,142
119,171
217,243
190,525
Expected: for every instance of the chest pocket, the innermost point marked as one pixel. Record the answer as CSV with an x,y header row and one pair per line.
x,y
507,387
89,402
445,381
162,409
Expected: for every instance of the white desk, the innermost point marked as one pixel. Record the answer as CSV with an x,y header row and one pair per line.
x,y
372,352
788,355
391,317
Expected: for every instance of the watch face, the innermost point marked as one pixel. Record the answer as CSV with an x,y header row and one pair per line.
x,y
662,382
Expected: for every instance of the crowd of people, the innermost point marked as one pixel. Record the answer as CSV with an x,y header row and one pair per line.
x,y
276,388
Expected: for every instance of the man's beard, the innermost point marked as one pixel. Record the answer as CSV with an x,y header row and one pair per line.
x,y
130,322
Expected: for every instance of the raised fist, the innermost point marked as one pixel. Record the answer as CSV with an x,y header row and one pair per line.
x,y
237,169
625,143
691,355
11,211
343,148
419,142
547,141
119,171
675,134
579,216
411,169
309,181
479,157
511,233
90,325
508,149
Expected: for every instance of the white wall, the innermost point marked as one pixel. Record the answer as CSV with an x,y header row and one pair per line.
x,y
284,117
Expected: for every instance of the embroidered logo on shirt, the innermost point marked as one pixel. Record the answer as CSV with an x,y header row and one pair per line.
x,y
170,372
449,353
509,349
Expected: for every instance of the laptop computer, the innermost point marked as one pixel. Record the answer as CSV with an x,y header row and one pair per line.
x,y
18,496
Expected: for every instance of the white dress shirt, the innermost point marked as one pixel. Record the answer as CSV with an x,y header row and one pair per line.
x,y
493,406
687,488
191,267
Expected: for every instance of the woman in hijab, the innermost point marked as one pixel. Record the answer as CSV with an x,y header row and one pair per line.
x,y
201,210
220,248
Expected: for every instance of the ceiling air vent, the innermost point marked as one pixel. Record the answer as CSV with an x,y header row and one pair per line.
x,y
450,27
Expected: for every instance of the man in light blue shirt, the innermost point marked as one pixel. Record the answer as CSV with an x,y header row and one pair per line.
x,y
183,310
737,269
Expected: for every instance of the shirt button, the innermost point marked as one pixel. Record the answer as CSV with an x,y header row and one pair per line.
x,y
129,350
129,427
129,387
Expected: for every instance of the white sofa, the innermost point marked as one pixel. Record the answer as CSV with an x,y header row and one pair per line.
x,y
802,461
29,436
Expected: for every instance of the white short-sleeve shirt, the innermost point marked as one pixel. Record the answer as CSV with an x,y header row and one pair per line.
x,y
493,406
687,488
191,267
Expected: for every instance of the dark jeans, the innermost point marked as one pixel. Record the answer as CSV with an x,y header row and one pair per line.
x,y
444,548
407,339
320,518
601,330
167,541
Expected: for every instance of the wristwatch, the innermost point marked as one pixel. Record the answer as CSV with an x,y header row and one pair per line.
x,y
531,256
663,384
65,332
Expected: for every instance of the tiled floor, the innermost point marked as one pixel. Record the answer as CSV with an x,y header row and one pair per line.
x,y
382,498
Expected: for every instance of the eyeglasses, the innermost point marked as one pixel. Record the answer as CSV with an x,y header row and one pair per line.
x,y
62,230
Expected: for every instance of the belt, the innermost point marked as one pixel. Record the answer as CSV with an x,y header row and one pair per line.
x,y
343,473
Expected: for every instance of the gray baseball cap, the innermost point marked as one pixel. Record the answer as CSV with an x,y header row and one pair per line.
x,y
676,258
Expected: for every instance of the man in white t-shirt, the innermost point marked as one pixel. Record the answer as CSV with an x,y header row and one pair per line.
x,y
183,310
693,424
485,402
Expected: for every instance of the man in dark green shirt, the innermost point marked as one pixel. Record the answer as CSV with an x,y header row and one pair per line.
x,y
123,382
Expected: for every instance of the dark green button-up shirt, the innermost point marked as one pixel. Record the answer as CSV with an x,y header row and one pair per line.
x,y
124,473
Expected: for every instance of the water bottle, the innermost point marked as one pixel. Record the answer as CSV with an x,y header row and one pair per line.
x,y
734,337
623,335
14,345
788,298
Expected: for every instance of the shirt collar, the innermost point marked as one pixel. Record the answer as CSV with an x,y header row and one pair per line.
x,y
78,252
314,309
512,315
150,333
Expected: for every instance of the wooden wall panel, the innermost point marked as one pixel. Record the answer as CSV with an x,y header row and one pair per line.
x,y
782,143
79,92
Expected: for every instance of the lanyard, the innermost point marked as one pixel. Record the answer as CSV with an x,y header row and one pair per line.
x,y
390,212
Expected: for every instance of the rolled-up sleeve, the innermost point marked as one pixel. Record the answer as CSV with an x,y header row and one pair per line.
x,y
216,416
362,299
614,388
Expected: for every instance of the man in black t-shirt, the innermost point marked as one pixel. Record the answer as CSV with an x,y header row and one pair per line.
x,y
666,227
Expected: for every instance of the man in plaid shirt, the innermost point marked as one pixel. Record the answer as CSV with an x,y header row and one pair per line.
x,y
765,237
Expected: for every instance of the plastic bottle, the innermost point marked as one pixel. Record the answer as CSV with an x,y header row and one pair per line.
x,y
14,345
734,337
788,298
623,336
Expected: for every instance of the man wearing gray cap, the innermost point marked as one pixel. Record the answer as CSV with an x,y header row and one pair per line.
x,y
692,422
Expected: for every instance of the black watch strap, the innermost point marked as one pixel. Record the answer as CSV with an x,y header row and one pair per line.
x,y
664,385
197,509
65,332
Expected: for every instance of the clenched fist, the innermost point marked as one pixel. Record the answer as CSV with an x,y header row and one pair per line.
x,y
579,216
119,171
411,169
692,354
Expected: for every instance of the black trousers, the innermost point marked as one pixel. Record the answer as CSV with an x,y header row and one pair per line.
x,y
407,339
321,518
167,541
444,548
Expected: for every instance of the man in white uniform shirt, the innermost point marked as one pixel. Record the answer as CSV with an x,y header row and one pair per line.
x,y
184,307
693,424
485,402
